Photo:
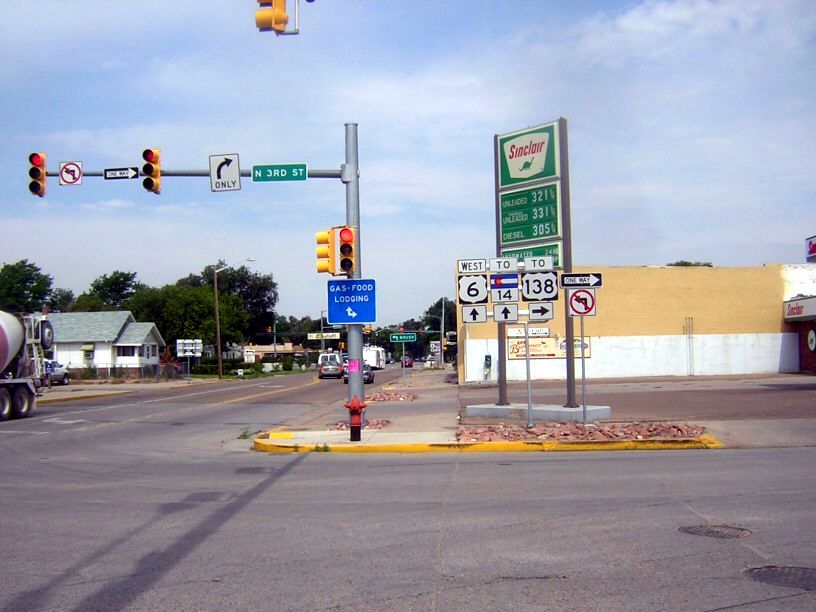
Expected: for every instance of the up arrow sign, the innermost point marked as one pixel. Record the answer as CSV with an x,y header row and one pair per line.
x,y
578,281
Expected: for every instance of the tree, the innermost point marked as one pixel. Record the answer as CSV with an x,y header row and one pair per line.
x,y
116,289
691,264
189,312
23,287
60,300
433,315
258,292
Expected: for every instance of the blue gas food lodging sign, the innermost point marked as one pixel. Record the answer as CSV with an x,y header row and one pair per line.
x,y
352,301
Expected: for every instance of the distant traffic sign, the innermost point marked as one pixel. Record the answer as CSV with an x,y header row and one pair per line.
x,y
70,173
474,314
541,311
120,173
576,281
403,337
473,289
279,172
581,303
539,286
352,301
471,266
505,312
225,172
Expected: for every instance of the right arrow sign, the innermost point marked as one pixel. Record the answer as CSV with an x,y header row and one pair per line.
x,y
541,311
579,281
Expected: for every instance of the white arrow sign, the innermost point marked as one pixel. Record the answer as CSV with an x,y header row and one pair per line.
x,y
350,312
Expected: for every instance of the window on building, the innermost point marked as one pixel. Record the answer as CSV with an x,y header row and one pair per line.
x,y
125,351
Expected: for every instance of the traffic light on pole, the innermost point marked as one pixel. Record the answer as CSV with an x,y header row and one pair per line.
x,y
37,174
325,251
152,170
272,18
346,255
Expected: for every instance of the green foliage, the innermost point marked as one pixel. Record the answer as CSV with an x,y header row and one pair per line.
x,y
116,289
89,373
60,300
23,287
288,363
691,264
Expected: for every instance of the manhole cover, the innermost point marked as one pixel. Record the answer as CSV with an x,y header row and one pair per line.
x,y
794,577
724,532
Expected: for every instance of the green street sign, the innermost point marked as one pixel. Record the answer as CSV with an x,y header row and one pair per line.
x,y
279,172
528,155
530,214
407,337
552,249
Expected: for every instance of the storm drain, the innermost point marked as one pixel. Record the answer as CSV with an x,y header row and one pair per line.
x,y
724,532
793,577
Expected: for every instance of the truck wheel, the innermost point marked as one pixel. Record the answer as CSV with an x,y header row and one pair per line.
x,y
22,402
46,335
65,379
5,405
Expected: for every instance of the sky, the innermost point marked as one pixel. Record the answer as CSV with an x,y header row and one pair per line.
x,y
692,133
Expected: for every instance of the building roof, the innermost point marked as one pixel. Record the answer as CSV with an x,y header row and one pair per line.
x,y
116,327
89,326
139,333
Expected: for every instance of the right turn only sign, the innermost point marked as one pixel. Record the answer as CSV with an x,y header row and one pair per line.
x,y
581,303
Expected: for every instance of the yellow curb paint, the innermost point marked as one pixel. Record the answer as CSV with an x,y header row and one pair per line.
x,y
268,446
279,435
80,396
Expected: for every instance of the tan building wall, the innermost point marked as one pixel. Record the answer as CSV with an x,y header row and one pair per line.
x,y
659,301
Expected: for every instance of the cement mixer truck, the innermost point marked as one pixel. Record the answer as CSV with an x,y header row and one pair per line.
x,y
23,340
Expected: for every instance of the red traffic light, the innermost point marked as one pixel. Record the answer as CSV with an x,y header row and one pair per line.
x,y
36,159
37,174
150,155
347,235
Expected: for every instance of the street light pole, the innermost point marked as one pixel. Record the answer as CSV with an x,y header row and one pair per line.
x,y
322,341
216,270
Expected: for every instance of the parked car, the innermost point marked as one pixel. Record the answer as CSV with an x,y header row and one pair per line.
x,y
408,361
329,365
368,374
57,372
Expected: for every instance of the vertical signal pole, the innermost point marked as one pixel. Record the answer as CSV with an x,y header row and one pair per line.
x,y
566,223
350,175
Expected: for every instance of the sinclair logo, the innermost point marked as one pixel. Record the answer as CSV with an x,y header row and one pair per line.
x,y
529,155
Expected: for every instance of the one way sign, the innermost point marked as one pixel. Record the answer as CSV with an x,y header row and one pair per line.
x,y
581,281
541,311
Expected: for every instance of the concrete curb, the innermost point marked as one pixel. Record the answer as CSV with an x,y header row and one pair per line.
x,y
81,396
264,444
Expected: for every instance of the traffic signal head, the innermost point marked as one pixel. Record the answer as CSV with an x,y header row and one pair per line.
x,y
346,250
325,251
272,18
37,174
152,170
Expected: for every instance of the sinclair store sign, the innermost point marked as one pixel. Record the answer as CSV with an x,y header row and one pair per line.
x,y
528,156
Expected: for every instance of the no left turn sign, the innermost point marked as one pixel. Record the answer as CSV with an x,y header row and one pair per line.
x,y
70,173
582,303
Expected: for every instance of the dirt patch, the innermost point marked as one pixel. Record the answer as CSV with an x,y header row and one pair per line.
x,y
391,396
579,431
370,424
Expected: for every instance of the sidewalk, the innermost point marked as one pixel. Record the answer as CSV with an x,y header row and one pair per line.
x,y
433,419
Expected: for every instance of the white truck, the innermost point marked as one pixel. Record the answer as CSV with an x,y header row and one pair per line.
x,y
374,356
23,340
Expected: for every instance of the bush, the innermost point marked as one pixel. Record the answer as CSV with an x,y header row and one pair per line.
x,y
89,373
288,363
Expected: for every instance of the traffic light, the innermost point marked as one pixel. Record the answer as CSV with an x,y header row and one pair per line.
x,y
37,174
325,250
272,18
152,170
346,250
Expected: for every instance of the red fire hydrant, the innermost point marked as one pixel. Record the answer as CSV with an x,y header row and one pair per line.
x,y
356,409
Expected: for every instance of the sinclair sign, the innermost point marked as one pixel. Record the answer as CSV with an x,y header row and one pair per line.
x,y
529,155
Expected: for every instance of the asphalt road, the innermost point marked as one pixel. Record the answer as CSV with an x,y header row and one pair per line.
x,y
150,502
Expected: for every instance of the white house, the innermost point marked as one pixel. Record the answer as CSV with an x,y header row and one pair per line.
x,y
105,340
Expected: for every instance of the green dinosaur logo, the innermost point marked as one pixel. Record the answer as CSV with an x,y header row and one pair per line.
x,y
527,165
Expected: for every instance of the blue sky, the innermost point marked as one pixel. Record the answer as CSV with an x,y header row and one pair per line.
x,y
691,123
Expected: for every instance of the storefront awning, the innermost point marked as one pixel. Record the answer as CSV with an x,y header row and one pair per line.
x,y
87,347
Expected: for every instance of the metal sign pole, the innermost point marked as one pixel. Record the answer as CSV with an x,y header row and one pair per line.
x,y
351,177
529,386
583,371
